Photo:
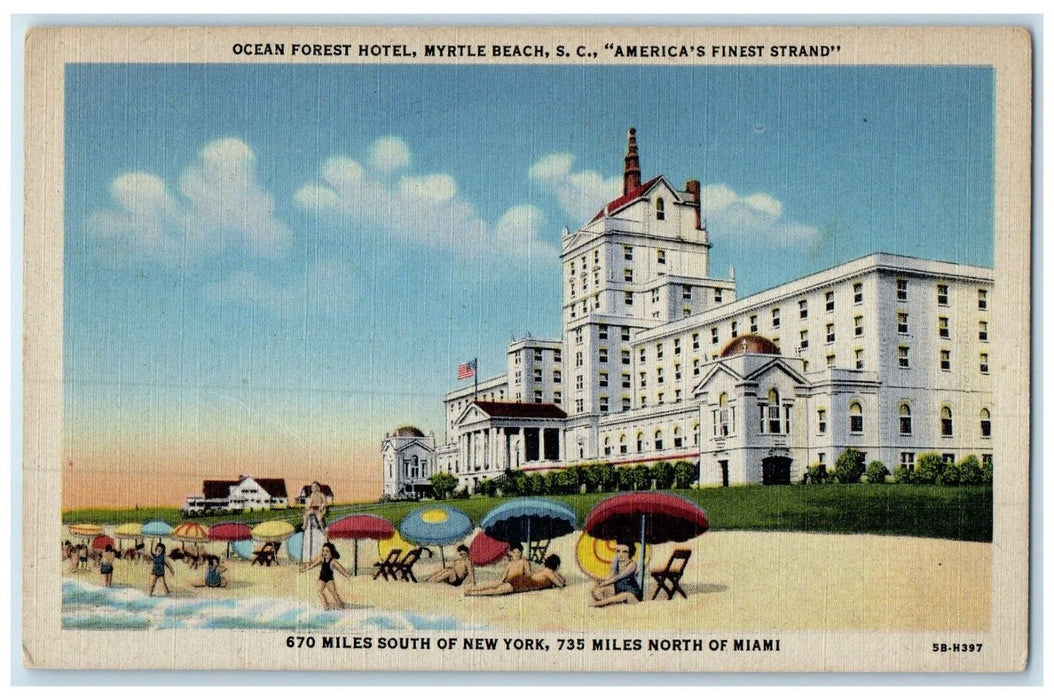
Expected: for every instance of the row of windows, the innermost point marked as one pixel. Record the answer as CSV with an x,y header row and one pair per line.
x,y
539,356
945,358
658,441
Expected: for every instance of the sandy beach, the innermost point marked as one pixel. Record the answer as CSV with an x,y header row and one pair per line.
x,y
735,580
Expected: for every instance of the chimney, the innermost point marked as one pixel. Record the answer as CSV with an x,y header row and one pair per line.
x,y
631,175
692,188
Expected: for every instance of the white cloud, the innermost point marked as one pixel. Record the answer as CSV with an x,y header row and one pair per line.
x,y
219,205
327,287
751,218
580,194
421,208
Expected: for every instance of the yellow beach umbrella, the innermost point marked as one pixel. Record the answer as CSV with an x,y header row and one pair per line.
x,y
394,542
86,530
595,556
128,531
273,531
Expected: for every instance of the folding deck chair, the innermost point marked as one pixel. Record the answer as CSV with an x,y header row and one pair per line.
x,y
386,568
404,569
669,579
538,551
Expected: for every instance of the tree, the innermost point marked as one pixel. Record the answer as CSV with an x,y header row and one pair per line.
x,y
487,487
593,475
684,473
641,477
663,474
443,484
849,467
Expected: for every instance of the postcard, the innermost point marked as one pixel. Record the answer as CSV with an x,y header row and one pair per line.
x,y
507,348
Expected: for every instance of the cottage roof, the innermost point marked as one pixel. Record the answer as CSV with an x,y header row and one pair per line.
x,y
508,409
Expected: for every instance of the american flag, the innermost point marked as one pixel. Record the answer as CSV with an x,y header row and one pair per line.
x,y
466,370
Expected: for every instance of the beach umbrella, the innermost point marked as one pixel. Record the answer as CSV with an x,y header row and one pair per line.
x,y
157,528
294,547
100,542
243,549
85,530
486,550
394,542
438,525
189,531
594,556
229,532
528,520
128,531
646,516
360,527
273,531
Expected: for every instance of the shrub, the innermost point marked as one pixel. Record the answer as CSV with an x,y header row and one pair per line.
x,y
817,474
903,475
443,484
986,472
929,469
663,474
877,473
461,493
849,467
487,487
969,470
684,473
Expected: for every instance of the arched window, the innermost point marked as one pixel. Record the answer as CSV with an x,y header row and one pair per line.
x,y
660,209
678,439
773,412
640,442
607,445
658,439
905,419
947,429
986,423
695,434
622,447
723,428
856,417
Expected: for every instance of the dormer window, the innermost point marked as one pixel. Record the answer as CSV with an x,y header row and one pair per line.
x,y
660,209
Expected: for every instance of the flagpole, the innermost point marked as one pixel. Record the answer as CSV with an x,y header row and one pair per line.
x,y
475,380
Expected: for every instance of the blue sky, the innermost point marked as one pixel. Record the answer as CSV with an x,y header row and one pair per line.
x,y
287,261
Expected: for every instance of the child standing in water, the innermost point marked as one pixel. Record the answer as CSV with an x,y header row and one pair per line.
x,y
106,565
327,587
157,572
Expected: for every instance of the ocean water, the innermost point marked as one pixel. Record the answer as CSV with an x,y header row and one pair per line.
x,y
91,606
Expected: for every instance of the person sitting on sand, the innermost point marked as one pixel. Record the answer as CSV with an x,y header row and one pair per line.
x,y
106,565
213,571
547,577
327,562
459,570
516,568
621,586
157,570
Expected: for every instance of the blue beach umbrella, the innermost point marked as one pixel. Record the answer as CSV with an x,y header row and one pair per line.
x,y
528,520
437,525
157,528
243,549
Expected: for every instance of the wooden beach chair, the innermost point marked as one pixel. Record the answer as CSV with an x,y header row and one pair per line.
x,y
404,569
386,568
669,579
538,551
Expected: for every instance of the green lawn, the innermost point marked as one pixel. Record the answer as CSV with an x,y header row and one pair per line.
x,y
956,513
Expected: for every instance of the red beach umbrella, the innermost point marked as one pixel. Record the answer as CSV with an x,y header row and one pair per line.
x,y
101,541
486,550
230,532
648,517
360,527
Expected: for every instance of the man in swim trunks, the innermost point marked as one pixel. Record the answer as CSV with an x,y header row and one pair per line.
x,y
517,568
106,565
621,586
547,577
459,570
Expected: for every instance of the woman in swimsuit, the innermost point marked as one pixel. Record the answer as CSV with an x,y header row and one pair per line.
x,y
315,507
459,570
621,585
106,565
326,561
547,577
213,569
157,571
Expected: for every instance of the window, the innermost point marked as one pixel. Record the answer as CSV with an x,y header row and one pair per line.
x,y
596,257
774,411
695,341
537,355
858,326
557,356
677,395
986,460
578,359
642,355
902,357
627,252
695,434
578,382
902,289
579,405
821,459
829,301
627,274
686,293
537,374
821,421
660,211
643,380
830,332
572,268
946,422
735,329
775,318
856,417
596,275
982,299
517,358
986,423
804,339
558,397
803,309
858,357
717,296
603,379
984,363
640,442
858,293
658,375
537,395
942,327
625,357
626,380
713,335
557,376
905,419
982,330
722,415
602,332
658,438
518,377
946,360
678,439
625,403
942,295
655,296
628,298
622,448
602,354
677,372
754,323
907,460
607,446
660,255
578,336
676,346
603,404
830,359
658,351
572,290
695,366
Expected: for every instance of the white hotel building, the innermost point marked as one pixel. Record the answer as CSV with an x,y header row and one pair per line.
x,y
660,361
